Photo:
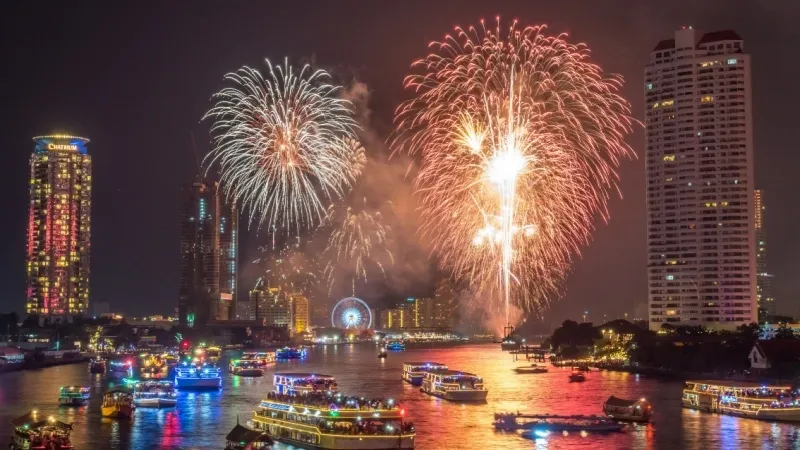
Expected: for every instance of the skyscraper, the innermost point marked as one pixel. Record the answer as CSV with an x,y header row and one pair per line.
x,y
208,255
766,300
701,262
300,313
59,227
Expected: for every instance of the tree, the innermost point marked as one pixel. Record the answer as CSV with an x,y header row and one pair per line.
x,y
748,333
784,332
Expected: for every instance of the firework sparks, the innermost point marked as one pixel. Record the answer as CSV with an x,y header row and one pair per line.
x,y
285,144
518,139
358,241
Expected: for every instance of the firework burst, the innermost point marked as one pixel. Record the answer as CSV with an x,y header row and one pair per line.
x,y
518,137
358,241
285,143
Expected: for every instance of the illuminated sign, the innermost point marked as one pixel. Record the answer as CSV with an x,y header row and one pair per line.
x,y
410,299
62,147
275,406
728,399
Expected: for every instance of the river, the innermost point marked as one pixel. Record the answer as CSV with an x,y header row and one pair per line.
x,y
202,419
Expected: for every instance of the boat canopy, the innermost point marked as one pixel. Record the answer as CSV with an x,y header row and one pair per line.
x,y
118,389
31,420
303,376
245,435
621,402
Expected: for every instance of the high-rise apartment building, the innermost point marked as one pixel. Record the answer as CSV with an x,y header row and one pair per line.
x,y
208,255
766,299
300,313
701,261
272,306
59,227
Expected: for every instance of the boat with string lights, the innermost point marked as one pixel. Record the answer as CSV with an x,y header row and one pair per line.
x,y
743,399
33,431
325,419
154,394
414,372
118,403
303,383
120,368
198,376
454,385
73,396
286,353
396,346
247,367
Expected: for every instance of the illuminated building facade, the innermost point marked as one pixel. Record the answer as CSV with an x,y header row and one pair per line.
x,y
209,251
701,253
300,313
766,299
272,307
59,227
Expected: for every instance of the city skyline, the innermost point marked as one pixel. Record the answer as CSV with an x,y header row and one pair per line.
x,y
127,203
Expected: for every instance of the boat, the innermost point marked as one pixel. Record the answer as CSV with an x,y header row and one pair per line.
x,y
118,403
454,385
120,369
170,359
154,394
628,410
291,353
396,346
303,383
97,365
382,353
11,359
35,432
247,367
243,438
414,372
153,367
532,369
577,377
198,376
331,420
213,352
73,396
539,425
512,342
743,399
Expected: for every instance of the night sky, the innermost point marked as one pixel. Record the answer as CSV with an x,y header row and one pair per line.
x,y
136,79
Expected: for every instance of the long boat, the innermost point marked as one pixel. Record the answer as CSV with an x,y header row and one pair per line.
x,y
303,383
154,394
247,367
414,372
118,403
554,423
638,410
35,432
328,420
743,399
73,396
286,353
454,385
199,376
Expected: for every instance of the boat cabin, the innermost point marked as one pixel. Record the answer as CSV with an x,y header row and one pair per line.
x,y
414,372
301,383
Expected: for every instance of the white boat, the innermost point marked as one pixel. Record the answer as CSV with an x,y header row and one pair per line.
x,y
330,420
74,396
532,369
303,383
454,385
154,394
539,425
743,399
201,376
414,372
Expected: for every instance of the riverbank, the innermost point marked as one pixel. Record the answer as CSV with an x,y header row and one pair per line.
x,y
39,361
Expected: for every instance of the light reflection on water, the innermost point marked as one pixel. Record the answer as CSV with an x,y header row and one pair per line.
x,y
202,419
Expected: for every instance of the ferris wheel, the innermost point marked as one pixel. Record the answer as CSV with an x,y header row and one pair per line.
x,y
351,313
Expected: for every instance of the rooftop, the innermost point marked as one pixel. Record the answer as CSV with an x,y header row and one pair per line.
x,y
723,35
302,375
737,384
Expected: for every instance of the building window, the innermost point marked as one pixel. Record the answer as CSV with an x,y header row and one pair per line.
x,y
732,61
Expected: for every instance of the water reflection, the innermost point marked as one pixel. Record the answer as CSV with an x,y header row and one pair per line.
x,y
202,419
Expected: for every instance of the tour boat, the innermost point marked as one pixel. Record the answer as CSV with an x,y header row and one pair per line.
x,y
73,396
35,432
154,394
510,343
743,399
291,353
243,438
302,383
170,359
200,376
153,367
533,368
628,410
263,358
213,352
414,372
97,365
542,424
117,403
396,346
120,369
454,385
247,367
330,420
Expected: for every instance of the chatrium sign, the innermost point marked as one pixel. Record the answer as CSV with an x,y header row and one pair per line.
x,y
62,147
